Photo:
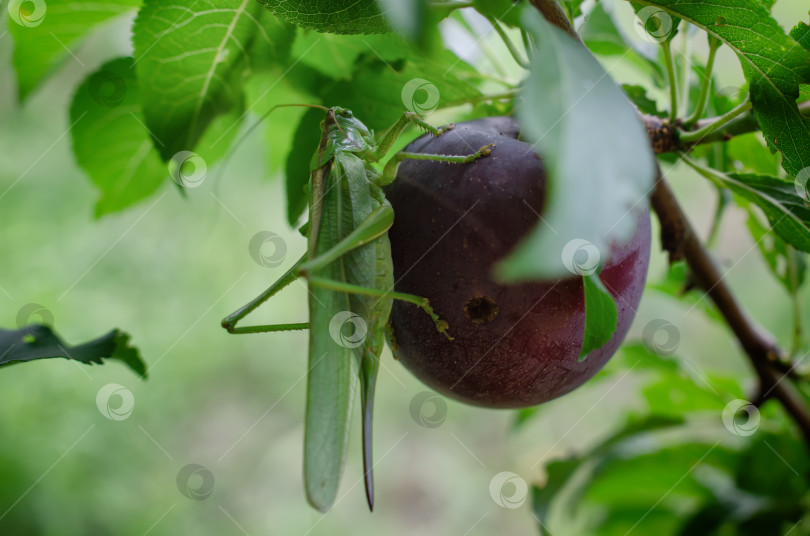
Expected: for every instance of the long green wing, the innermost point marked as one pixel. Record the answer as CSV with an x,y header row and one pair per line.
x,y
339,322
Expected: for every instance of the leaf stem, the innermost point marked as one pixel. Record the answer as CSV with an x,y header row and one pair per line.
x,y
508,42
719,210
685,63
479,98
793,274
703,99
695,136
673,84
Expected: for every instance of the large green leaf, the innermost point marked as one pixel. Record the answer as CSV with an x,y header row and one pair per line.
x,y
37,341
333,16
787,265
774,64
44,32
109,140
598,180
190,62
788,213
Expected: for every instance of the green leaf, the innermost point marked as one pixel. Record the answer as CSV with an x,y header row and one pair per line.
x,y
37,341
600,315
788,266
773,63
645,105
601,35
190,63
574,111
569,481
380,91
788,213
335,55
333,16
109,140
44,35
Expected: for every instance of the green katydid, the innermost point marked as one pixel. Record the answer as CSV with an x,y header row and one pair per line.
x,y
350,278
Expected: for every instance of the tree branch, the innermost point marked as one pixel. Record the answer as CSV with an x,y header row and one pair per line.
x,y
665,136
680,239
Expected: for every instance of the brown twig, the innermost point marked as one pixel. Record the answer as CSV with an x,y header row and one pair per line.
x,y
554,13
680,239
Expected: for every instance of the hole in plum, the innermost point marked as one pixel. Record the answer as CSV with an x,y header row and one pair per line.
x,y
481,309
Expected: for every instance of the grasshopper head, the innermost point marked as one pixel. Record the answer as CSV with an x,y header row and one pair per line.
x,y
346,131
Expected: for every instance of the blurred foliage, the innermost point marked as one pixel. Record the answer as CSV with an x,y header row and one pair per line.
x,y
662,441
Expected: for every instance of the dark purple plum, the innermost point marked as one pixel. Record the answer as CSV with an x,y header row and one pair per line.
x,y
513,345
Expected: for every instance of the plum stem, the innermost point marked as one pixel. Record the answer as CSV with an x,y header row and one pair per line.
x,y
555,14
679,238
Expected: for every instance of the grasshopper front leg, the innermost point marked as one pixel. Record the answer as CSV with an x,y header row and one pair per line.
x,y
390,169
230,321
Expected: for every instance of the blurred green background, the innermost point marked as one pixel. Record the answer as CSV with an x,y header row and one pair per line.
x,y
168,270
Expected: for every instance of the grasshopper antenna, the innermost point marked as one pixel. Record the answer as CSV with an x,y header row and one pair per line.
x,y
229,155
249,131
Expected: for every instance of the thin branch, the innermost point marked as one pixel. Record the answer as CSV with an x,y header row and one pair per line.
x,y
680,239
